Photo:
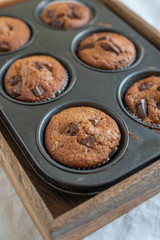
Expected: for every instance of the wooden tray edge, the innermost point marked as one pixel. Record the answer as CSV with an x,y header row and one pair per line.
x,y
145,29
108,205
6,3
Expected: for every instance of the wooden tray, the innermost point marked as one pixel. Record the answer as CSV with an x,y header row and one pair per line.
x,y
59,215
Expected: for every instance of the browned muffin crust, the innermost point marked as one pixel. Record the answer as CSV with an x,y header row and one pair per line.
x,y
66,15
81,137
34,78
143,99
106,50
14,33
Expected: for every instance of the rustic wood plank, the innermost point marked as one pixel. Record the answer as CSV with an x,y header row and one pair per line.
x,y
109,205
25,189
135,21
6,3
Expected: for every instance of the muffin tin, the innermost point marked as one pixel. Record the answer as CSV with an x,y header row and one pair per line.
x,y
87,87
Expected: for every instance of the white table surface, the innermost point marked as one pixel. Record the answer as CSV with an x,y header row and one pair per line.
x,y
142,223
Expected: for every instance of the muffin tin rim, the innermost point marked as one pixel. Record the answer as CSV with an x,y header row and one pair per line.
x,y
33,30
44,172
63,60
94,29
120,98
41,5
75,103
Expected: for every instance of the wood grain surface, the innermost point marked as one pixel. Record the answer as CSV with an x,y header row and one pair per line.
x,y
59,215
6,3
109,205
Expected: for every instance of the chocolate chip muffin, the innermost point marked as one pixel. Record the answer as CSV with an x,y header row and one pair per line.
x,y
35,78
66,15
143,99
14,34
107,50
81,137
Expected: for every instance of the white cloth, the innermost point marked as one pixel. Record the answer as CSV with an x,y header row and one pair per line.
x,y
142,223
149,10
15,223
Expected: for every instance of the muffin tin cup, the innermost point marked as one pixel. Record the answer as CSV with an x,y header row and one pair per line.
x,y
116,154
43,4
33,31
102,89
81,181
70,79
128,82
87,32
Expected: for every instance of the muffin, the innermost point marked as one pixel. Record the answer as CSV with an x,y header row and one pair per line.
x,y
35,78
81,137
143,99
66,15
107,50
14,34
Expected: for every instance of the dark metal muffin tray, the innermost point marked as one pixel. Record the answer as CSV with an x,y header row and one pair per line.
x,y
87,86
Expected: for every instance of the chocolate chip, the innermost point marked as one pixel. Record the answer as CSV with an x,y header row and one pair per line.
x,y
71,129
142,109
70,15
145,86
50,68
77,14
50,13
38,90
87,46
88,141
158,106
17,89
102,38
38,65
10,27
110,47
14,80
74,14
18,77
57,23
70,5
4,46
158,88
93,122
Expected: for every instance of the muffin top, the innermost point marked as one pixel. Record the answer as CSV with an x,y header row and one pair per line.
x,y
14,33
81,137
107,50
35,78
66,15
143,99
